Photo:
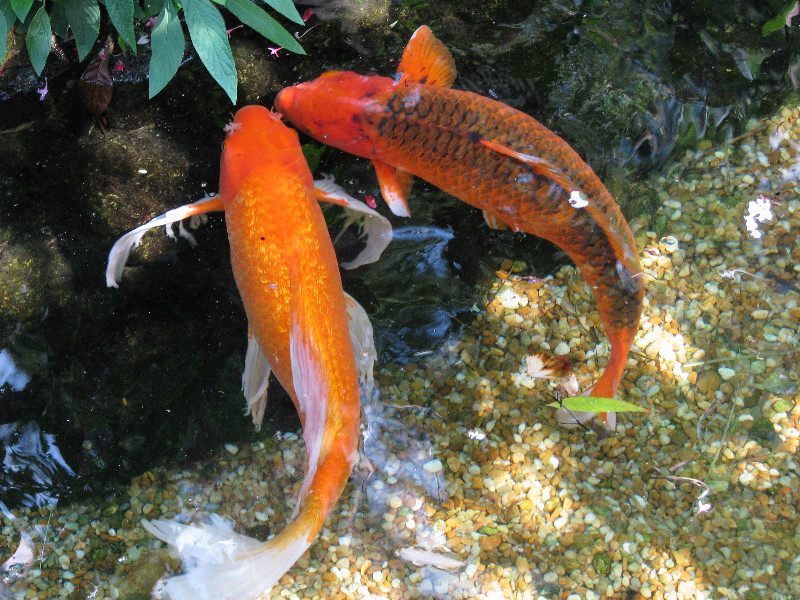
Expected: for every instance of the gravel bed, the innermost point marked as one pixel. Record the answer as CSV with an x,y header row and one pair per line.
x,y
468,488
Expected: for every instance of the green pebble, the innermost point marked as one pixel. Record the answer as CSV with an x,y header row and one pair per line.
x,y
602,563
782,406
486,530
758,366
602,511
98,554
762,430
550,505
109,510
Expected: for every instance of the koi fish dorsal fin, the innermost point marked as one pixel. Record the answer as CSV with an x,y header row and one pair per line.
x,y
395,187
427,60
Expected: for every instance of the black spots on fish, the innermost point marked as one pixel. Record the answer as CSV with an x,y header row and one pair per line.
x,y
474,137
263,238
395,104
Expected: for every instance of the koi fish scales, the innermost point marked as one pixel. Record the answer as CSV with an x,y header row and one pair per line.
x,y
488,155
446,126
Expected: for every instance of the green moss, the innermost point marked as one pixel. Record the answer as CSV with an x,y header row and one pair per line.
x,y
602,563
762,430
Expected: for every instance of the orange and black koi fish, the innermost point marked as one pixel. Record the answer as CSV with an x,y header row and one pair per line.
x,y
302,328
492,157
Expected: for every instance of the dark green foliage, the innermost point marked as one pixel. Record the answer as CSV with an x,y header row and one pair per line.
x,y
83,18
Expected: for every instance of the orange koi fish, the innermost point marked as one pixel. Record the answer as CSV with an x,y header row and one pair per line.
x,y
302,328
489,155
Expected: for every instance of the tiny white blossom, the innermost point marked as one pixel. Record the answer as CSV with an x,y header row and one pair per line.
x,y
758,211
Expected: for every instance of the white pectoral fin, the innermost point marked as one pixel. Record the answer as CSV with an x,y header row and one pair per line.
x,y
374,226
255,379
363,343
121,249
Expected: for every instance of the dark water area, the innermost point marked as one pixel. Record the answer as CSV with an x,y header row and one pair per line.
x,y
102,384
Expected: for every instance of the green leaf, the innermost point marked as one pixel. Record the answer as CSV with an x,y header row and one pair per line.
x,y
167,44
596,405
84,20
3,34
21,8
38,40
207,30
256,18
121,14
287,9
779,21
58,20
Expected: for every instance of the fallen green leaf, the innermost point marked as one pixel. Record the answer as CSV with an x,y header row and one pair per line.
x,y
596,405
777,22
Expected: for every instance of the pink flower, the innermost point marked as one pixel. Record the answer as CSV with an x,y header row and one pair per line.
x,y
307,15
43,91
371,201
275,51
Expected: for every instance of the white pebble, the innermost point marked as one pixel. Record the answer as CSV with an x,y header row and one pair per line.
x,y
433,466
561,349
726,373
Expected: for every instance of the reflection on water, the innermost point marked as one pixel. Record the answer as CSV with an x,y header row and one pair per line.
x,y
16,378
32,465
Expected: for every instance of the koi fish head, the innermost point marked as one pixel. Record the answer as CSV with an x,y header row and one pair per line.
x,y
256,138
332,108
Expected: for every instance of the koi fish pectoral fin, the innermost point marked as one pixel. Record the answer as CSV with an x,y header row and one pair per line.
x,y
255,379
540,166
363,343
427,60
493,221
374,226
121,249
395,187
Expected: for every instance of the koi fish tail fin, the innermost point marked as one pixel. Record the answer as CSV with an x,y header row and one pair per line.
x,y
121,249
605,387
220,563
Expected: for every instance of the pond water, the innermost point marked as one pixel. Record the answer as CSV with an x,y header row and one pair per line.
x,y
120,405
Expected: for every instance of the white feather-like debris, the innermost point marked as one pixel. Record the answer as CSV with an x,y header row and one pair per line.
x,y
423,558
361,336
374,226
255,379
122,248
20,562
222,564
542,366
